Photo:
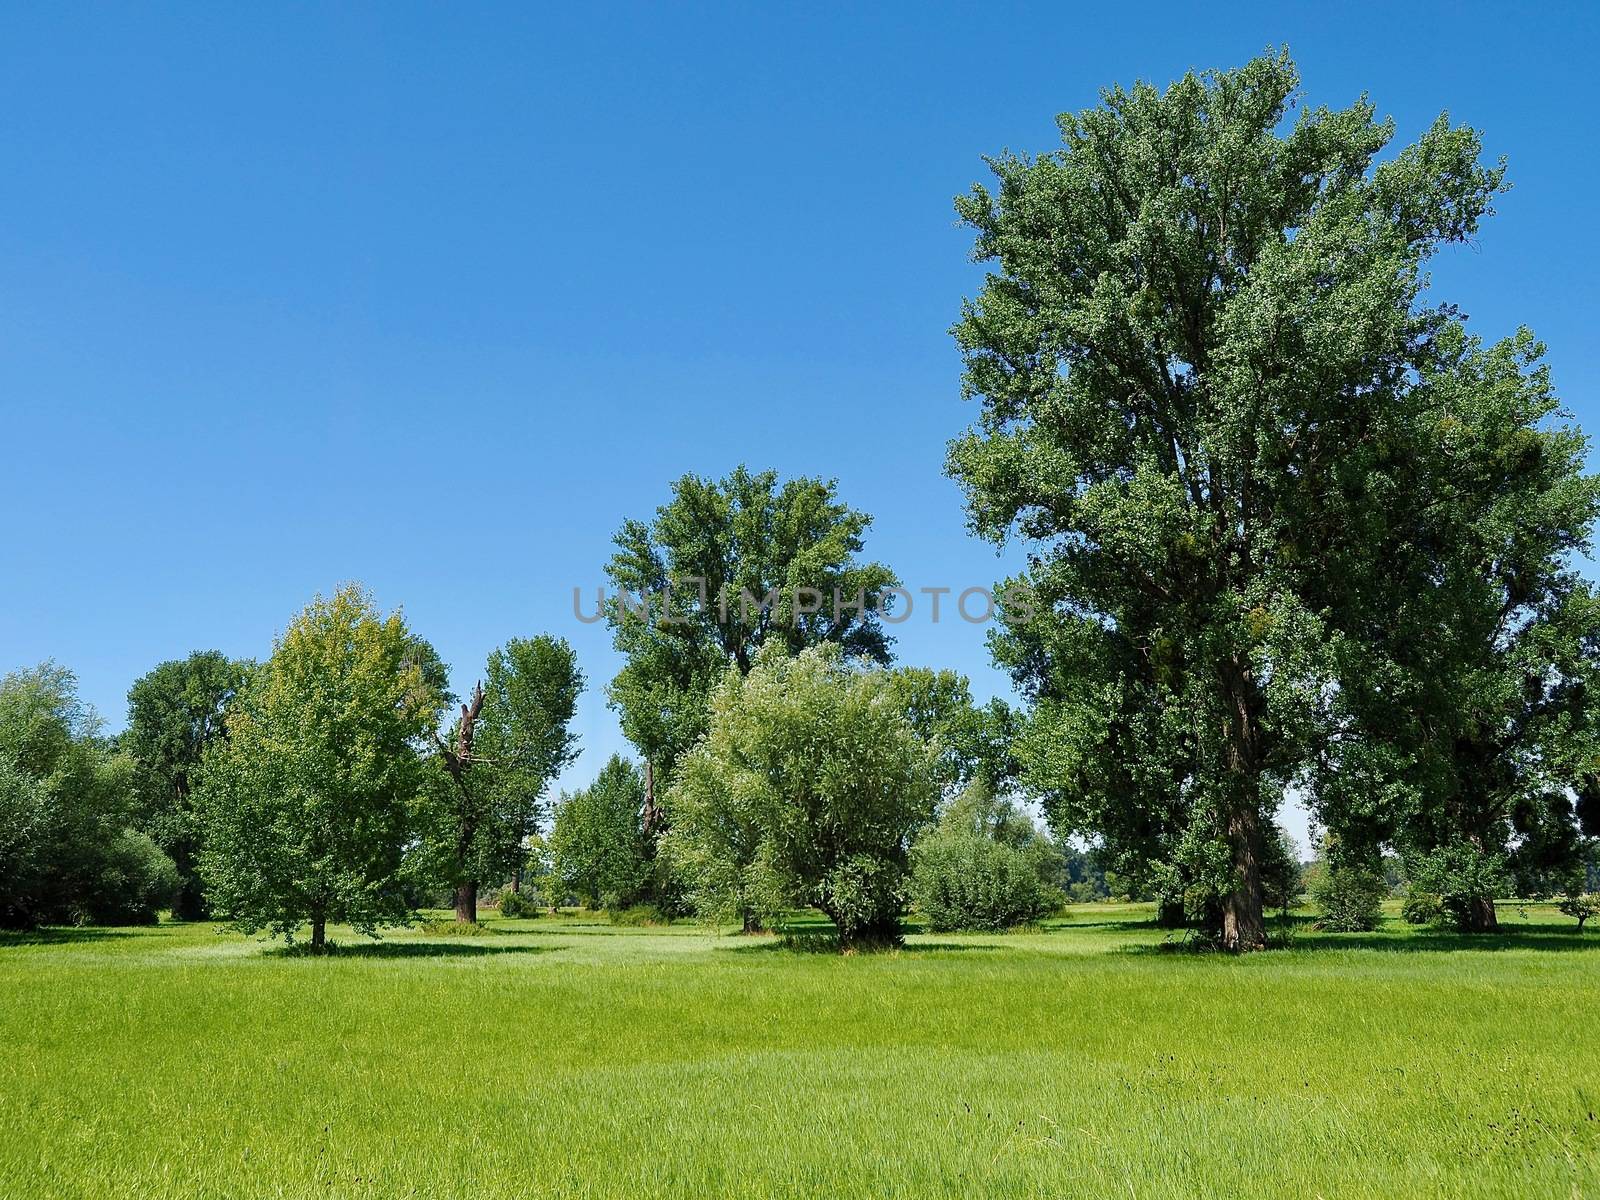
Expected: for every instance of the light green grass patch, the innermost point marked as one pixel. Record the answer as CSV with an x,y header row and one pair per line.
x,y
571,1057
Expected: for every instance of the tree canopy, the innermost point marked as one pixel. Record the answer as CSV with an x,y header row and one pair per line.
x,y
1198,355
725,566
174,712
305,807
807,789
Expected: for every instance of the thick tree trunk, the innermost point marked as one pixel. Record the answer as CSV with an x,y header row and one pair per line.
x,y
752,923
467,903
319,933
1480,917
1170,914
1243,927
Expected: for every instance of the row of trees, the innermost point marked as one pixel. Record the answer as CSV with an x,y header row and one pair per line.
x,y
1289,528
321,785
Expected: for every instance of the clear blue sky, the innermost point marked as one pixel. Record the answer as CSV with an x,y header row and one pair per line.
x,y
433,297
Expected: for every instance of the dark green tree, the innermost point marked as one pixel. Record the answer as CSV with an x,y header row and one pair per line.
x,y
174,712
1197,356
1466,726
724,567
598,841
68,854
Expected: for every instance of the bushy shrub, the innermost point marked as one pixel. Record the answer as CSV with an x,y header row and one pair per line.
x,y
638,915
517,905
1466,880
1422,908
1349,899
964,880
134,881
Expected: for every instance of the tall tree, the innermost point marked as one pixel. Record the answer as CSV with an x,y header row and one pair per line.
x,y
1467,721
174,712
724,567
1196,356
512,738
304,807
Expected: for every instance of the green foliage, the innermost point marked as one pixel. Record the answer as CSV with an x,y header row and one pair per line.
x,y
637,915
481,799
1201,353
1580,906
1422,908
174,712
517,905
1349,899
962,880
710,545
67,852
806,790
598,843
1466,879
972,743
305,807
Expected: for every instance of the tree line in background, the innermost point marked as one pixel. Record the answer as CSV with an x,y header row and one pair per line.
x,y
1290,529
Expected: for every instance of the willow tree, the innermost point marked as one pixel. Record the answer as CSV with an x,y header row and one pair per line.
x,y
1196,354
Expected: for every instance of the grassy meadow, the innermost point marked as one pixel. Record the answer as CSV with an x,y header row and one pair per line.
x,y
569,1057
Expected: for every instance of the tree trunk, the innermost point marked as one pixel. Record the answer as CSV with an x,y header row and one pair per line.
x,y
319,934
516,881
752,923
1170,914
467,903
1479,916
1242,925
1243,928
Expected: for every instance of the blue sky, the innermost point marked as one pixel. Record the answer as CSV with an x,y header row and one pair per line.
x,y
432,297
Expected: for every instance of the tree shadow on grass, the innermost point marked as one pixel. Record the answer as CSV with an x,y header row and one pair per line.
x,y
460,949
66,935
1394,939
828,944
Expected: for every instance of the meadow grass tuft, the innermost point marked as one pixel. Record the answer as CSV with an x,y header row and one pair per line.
x,y
571,1057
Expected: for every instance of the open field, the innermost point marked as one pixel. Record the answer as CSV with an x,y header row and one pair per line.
x,y
572,1058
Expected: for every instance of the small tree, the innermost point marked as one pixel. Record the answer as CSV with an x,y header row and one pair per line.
x,y
598,842
304,808
807,789
984,866
1580,906
1349,898
1466,879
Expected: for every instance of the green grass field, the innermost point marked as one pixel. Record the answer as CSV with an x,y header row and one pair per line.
x,y
572,1058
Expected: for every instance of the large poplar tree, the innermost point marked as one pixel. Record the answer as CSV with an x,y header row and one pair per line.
x,y
1197,353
